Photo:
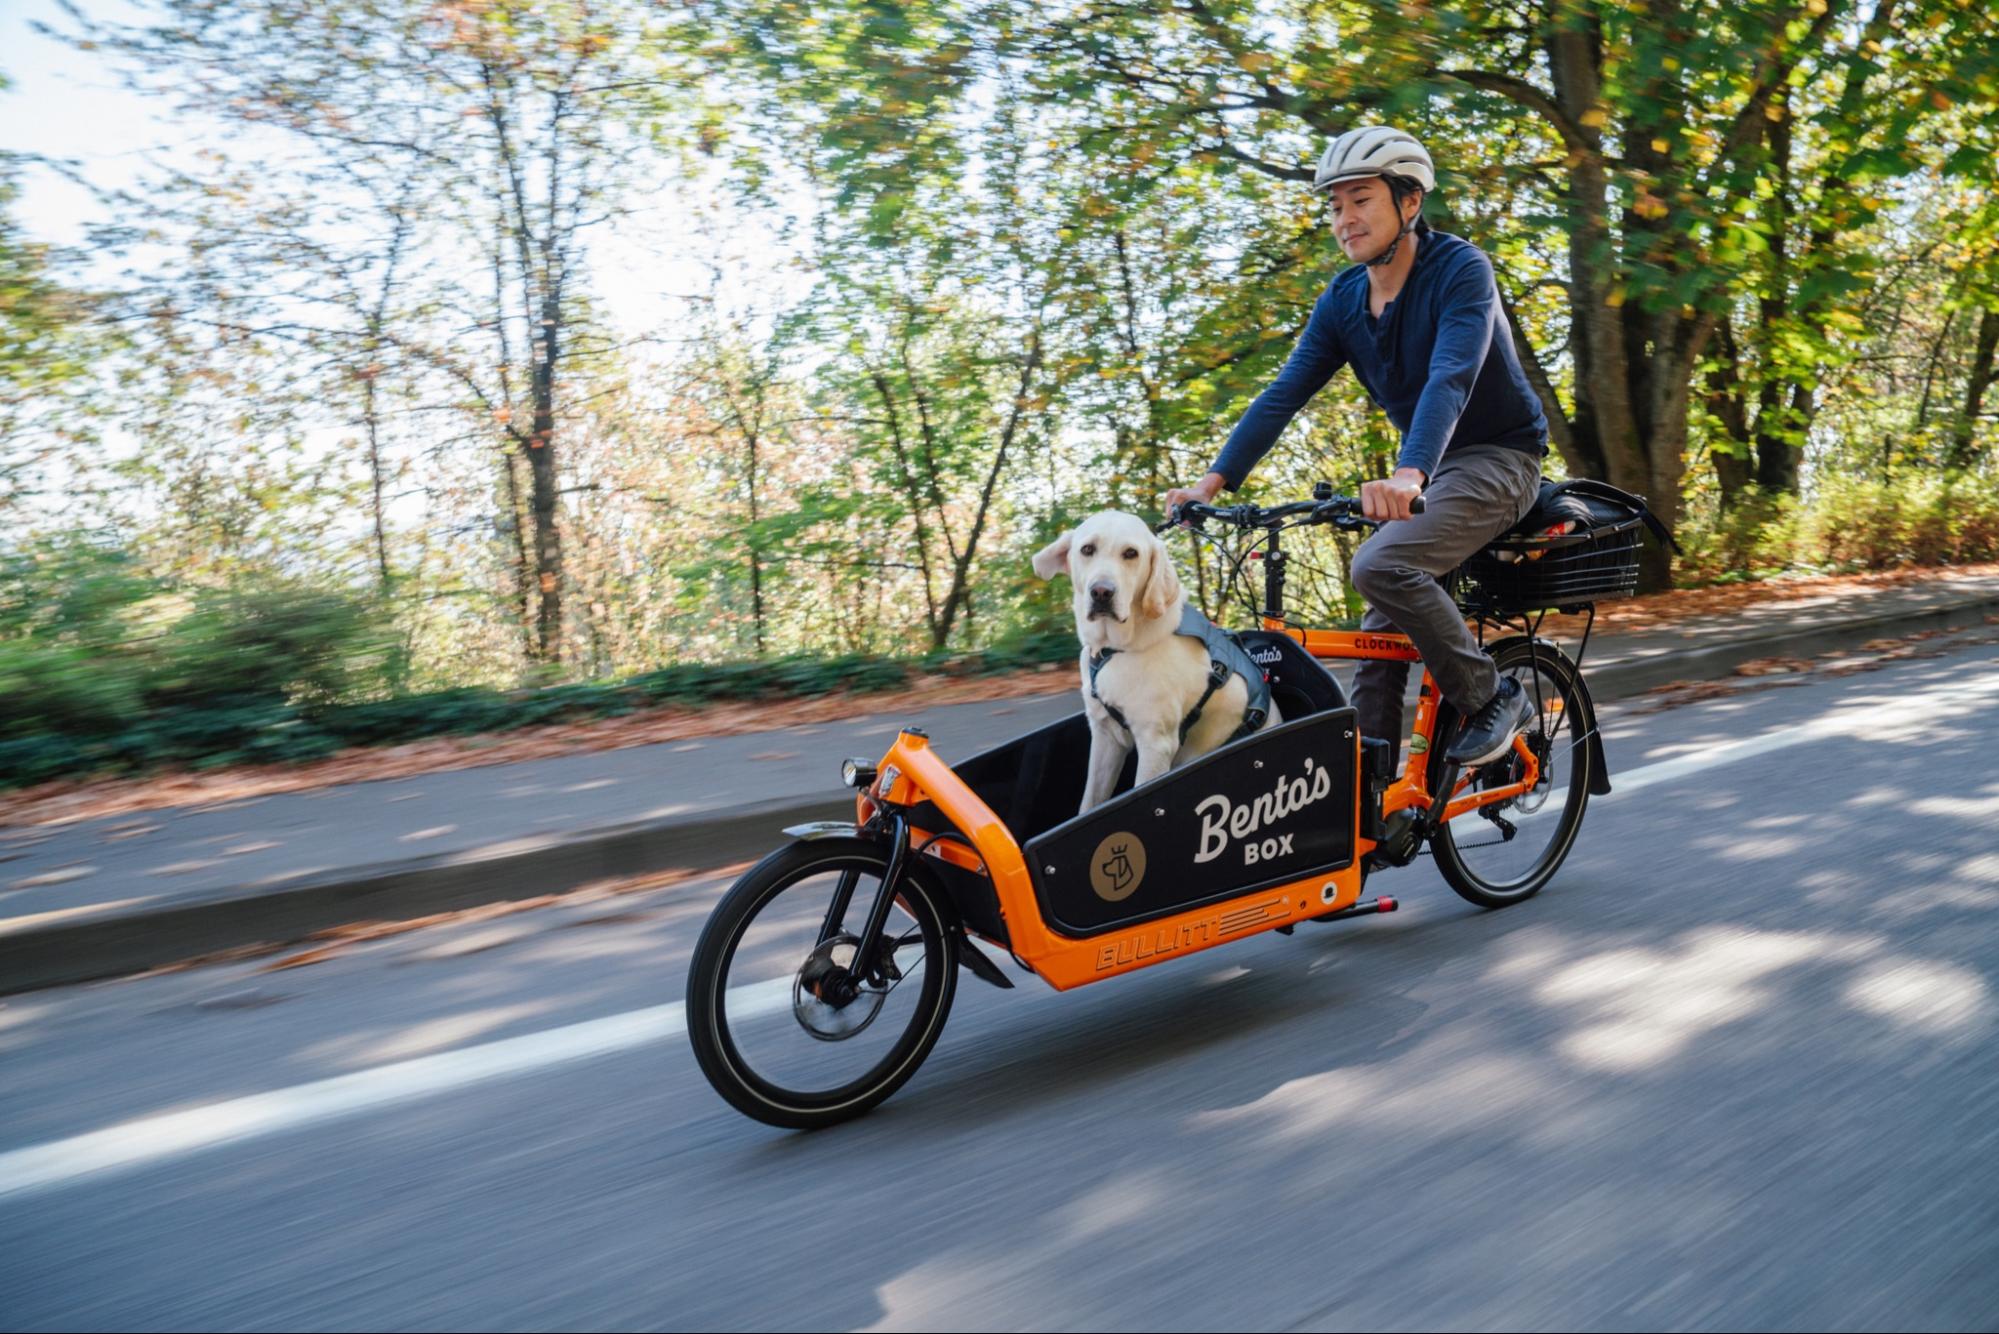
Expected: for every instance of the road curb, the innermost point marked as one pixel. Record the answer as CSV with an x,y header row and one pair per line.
x,y
39,954
135,936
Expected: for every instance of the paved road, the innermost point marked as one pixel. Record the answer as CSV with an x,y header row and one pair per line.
x,y
1734,1069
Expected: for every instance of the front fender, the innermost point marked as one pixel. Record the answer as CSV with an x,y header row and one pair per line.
x,y
818,829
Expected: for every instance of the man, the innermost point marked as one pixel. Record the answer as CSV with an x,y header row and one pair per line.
x,y
1418,318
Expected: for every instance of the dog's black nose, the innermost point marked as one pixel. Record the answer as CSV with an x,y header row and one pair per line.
x,y
1102,593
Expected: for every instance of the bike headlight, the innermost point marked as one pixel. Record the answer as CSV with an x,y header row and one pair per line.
x,y
858,773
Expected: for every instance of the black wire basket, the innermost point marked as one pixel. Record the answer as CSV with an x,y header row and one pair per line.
x,y
1566,572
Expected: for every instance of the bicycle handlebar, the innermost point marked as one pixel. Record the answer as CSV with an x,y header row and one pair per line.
x,y
1340,511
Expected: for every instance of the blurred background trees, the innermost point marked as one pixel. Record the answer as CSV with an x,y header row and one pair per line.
x,y
579,340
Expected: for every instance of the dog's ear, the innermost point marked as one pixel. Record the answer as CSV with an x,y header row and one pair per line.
x,y
1052,559
1162,581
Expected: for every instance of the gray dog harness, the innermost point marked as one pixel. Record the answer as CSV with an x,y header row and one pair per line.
x,y
1226,657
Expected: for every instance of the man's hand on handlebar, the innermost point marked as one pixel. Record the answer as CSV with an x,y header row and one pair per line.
x,y
1392,499
1202,492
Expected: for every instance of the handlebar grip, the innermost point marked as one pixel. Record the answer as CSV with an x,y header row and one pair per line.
x,y
1416,505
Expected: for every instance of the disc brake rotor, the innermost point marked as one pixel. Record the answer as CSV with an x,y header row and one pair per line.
x,y
828,1001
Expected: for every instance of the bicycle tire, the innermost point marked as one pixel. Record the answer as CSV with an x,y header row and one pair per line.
x,y
1446,846
708,985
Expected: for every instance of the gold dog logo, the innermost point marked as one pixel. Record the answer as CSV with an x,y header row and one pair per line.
x,y
1117,867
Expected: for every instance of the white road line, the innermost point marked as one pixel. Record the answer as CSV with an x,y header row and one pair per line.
x,y
155,1139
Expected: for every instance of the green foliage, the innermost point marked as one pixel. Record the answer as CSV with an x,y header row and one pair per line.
x,y
103,670
274,644
1907,518
1756,537
72,631
1846,524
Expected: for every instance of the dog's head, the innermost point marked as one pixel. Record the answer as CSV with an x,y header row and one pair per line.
x,y
1123,575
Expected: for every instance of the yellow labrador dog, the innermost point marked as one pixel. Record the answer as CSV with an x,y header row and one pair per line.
x,y
1154,675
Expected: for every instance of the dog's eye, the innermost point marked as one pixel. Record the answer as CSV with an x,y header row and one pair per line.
x,y
1090,550
1131,553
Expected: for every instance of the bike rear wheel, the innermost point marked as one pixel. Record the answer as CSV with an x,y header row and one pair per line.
x,y
1506,852
781,1025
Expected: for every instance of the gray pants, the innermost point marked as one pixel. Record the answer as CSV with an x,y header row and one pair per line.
x,y
1479,491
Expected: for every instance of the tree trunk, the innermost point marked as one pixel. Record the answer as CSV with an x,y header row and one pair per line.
x,y
516,533
756,558
1605,430
540,263
912,493
1665,381
959,598
1730,457
1935,359
1633,368
372,419
1732,474
1779,429
541,466
377,321
1958,454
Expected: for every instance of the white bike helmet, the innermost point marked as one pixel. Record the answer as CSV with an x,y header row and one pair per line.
x,y
1374,150
1378,151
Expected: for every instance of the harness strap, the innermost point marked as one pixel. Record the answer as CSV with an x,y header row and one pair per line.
x,y
1218,675
1097,661
1218,672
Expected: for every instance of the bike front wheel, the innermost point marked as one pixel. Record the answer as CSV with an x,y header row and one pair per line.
x,y
786,1024
1506,852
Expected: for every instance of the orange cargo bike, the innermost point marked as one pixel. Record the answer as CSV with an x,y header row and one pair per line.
x,y
825,974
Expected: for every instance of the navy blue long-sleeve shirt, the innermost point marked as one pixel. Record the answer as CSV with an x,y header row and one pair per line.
x,y
1439,361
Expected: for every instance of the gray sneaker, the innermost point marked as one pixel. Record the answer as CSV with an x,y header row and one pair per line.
x,y
1488,733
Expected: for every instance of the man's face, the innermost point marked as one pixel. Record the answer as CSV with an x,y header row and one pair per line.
x,y
1364,217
